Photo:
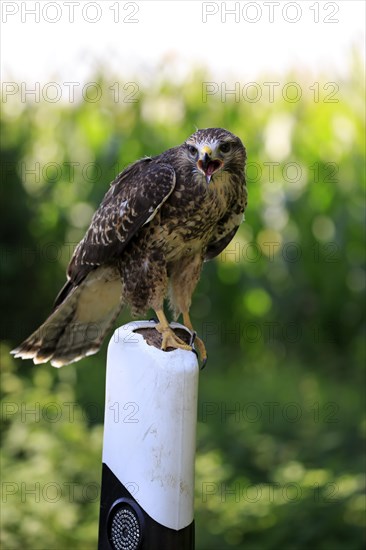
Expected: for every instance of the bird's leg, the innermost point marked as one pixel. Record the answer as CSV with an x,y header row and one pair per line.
x,y
170,340
198,343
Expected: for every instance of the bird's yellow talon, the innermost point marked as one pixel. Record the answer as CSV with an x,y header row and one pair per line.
x,y
198,343
170,340
200,347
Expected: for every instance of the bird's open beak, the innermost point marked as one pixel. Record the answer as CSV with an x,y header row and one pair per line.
x,y
206,164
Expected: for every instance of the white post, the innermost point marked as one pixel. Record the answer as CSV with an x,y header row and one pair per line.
x,y
149,442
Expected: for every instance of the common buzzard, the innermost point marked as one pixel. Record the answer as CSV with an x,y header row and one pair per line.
x,y
161,218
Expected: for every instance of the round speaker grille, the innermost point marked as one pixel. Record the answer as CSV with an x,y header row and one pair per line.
x,y
125,529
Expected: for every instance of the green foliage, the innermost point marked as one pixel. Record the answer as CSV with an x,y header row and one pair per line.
x,y
281,312
51,462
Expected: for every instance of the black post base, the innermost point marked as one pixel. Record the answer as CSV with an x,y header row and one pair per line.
x,y
124,525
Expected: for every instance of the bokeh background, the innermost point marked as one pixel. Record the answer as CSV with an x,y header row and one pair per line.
x,y
281,418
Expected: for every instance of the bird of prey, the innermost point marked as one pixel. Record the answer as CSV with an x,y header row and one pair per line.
x,y
161,218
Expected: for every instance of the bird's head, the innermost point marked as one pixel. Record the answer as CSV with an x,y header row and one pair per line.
x,y
213,150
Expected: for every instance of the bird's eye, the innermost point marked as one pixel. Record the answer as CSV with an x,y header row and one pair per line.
x,y
192,150
225,147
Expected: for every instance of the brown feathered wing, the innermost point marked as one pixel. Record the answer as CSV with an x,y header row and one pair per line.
x,y
90,301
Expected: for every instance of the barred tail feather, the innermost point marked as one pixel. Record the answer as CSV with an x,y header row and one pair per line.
x,y
79,324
